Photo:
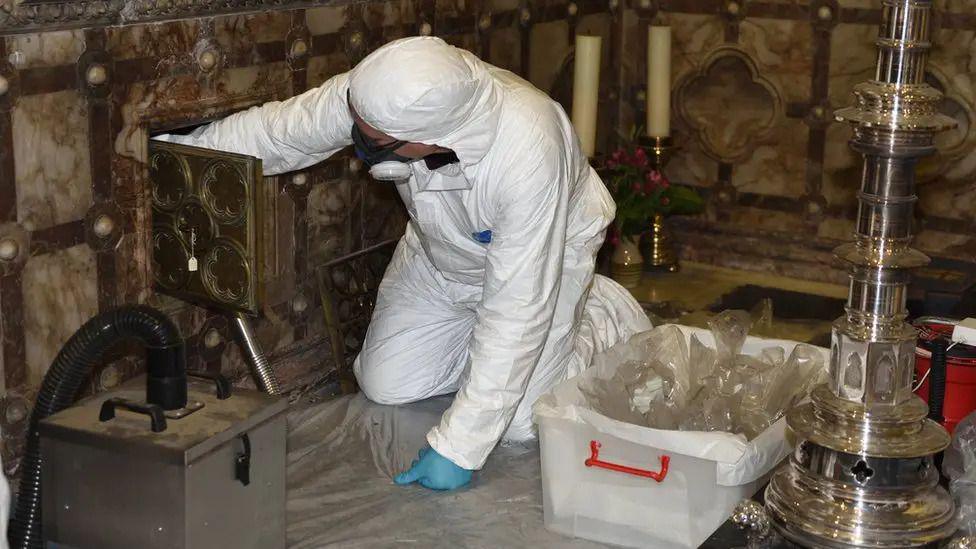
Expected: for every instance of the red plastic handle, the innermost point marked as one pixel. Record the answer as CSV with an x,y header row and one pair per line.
x,y
595,461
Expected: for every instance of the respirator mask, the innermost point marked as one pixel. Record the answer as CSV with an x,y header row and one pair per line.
x,y
383,161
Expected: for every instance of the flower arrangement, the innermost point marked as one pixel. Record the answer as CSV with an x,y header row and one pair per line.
x,y
642,193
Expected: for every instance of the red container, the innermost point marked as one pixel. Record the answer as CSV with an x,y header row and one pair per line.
x,y
960,393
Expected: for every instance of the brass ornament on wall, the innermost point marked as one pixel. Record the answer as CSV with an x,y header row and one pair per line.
x,y
104,226
728,106
95,73
207,211
14,247
823,14
9,85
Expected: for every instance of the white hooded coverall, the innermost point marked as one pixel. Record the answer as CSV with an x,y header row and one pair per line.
x,y
499,322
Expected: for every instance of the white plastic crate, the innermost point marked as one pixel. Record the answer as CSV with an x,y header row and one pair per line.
x,y
647,505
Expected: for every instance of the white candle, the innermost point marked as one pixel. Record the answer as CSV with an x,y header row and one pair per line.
x,y
586,88
658,81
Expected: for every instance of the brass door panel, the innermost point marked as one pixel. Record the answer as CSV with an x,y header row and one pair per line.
x,y
218,197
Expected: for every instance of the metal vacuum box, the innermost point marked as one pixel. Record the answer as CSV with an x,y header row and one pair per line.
x,y
213,478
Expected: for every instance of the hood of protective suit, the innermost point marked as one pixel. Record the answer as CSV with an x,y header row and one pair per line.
x,y
425,90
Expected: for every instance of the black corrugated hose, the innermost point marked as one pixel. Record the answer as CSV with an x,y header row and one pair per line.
x,y
937,379
166,386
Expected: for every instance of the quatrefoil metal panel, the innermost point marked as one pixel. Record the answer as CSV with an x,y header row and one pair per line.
x,y
214,196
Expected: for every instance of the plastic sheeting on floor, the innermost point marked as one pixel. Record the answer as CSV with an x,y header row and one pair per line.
x,y
343,453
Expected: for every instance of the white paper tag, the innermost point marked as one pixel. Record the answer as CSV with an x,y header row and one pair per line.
x,y
192,264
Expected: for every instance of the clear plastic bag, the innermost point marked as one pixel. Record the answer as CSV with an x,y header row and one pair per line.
x,y
960,466
666,381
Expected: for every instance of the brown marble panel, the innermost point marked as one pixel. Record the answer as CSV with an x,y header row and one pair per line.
x,y
502,5
325,20
242,32
549,45
8,182
57,237
41,80
322,68
47,49
12,328
51,159
169,42
504,49
53,309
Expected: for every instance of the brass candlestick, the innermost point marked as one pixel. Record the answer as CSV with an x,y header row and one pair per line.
x,y
656,245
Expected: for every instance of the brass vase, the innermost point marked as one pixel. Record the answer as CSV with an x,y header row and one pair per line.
x,y
626,263
658,248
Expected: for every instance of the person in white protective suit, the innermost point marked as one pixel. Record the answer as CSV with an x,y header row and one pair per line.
x,y
491,292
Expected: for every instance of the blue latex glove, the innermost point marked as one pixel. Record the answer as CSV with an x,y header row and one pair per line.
x,y
434,471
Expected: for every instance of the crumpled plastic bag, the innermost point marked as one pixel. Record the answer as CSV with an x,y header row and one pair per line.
x,y
665,383
959,465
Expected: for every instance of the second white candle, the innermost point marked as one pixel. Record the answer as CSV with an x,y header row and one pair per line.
x,y
658,81
586,88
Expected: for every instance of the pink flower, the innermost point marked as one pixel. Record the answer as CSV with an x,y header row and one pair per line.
x,y
665,201
636,188
618,156
640,158
612,165
613,235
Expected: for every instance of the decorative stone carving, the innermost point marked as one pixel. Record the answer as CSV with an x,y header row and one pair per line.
x,y
37,15
727,104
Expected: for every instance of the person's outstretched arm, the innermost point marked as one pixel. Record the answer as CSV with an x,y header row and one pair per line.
x,y
523,270
285,135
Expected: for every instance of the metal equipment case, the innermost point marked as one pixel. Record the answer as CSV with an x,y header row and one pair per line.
x,y
213,478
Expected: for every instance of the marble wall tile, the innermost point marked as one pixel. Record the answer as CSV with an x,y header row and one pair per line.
x,y
133,268
782,53
852,61
323,67
270,78
241,32
47,49
59,296
505,47
329,203
502,5
690,164
777,166
765,219
548,46
938,242
326,20
956,6
468,41
693,37
51,159
325,242
860,4
389,14
172,41
836,229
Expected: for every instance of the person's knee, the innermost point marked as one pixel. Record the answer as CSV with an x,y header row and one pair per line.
x,y
377,382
